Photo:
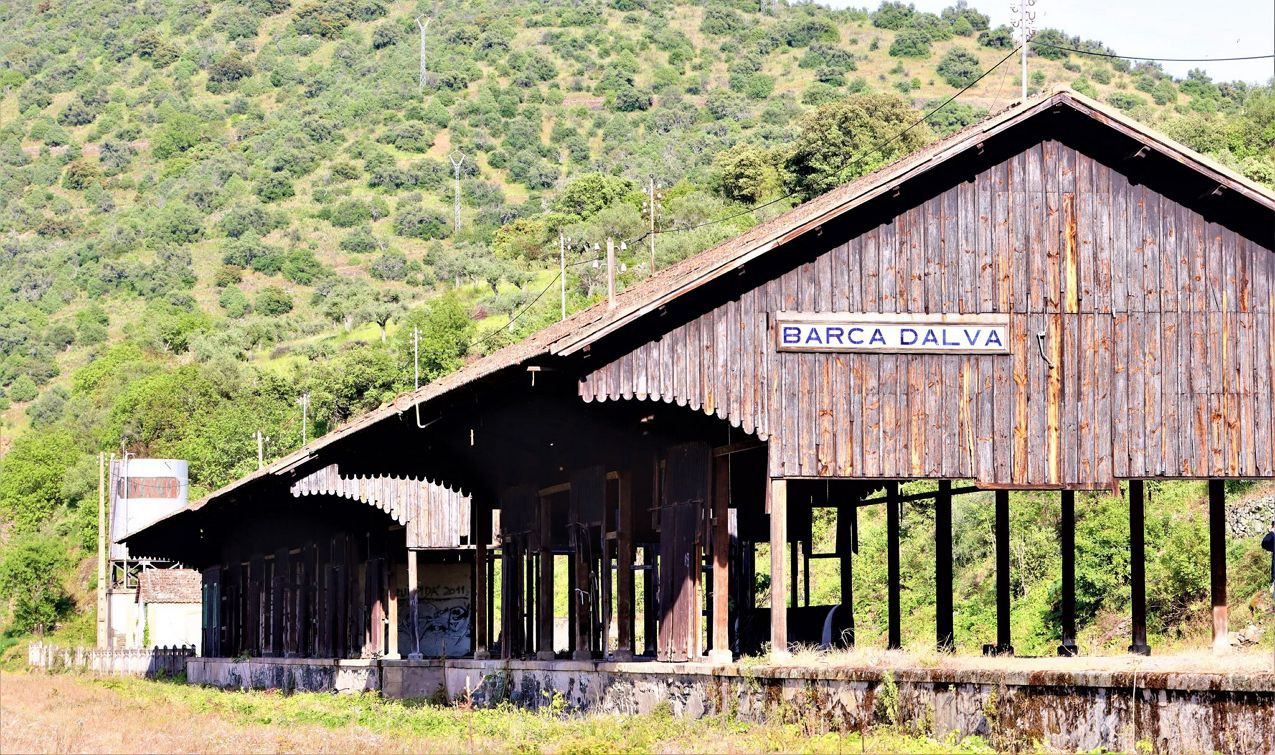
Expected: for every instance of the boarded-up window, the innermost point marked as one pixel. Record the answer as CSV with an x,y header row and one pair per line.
x,y
149,487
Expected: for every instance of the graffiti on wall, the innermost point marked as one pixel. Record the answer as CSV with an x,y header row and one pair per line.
x,y
443,613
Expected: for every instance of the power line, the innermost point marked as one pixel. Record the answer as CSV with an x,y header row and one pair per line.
x,y
1151,58
741,213
858,158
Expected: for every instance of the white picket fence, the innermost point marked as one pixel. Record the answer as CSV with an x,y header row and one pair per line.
x,y
162,661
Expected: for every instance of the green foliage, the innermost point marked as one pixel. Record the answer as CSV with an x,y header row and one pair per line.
x,y
911,43
235,302
272,301
745,173
586,195
23,388
840,141
421,223
445,333
31,571
1125,100
960,68
31,477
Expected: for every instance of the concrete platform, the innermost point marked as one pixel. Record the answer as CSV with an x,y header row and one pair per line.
x,y
1064,704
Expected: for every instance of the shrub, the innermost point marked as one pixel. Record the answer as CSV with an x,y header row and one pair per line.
x,y
31,572
359,240
300,266
911,43
1000,38
959,68
892,15
234,302
272,301
274,187
350,213
421,223
243,219
23,389
389,266
1125,100
178,223
80,175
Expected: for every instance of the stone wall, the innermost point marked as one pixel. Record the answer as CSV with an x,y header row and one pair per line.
x,y
1060,710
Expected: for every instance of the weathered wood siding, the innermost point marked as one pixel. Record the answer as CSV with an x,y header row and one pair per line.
x,y
433,515
1158,321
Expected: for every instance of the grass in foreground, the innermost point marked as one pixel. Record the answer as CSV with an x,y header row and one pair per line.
x,y
78,714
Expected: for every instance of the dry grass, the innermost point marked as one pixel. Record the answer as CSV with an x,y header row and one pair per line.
x,y
72,714
68,713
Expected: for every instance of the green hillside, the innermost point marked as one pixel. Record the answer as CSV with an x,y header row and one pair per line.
x,y
209,208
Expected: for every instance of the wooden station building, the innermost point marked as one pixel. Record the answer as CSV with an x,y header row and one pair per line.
x,y
1055,298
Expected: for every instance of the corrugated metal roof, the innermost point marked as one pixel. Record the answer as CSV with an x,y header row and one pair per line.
x,y
594,323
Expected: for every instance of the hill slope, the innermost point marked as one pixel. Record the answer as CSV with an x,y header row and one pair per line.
x,y
210,208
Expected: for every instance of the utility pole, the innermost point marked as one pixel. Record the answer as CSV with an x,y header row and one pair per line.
x,y
423,25
261,450
651,200
103,628
610,272
457,159
305,416
562,272
1024,29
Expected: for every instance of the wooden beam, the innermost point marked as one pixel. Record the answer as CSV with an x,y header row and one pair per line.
x,y
894,635
844,625
624,570
544,598
391,609
944,635
1067,538
1217,564
778,540
1004,642
482,534
1137,570
650,631
413,602
721,652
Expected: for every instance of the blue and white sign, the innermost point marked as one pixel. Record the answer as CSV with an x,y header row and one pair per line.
x,y
892,333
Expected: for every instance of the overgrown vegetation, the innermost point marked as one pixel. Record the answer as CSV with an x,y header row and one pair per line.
x,y
210,207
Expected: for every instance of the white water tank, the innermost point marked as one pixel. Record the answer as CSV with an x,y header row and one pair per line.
x,y
144,491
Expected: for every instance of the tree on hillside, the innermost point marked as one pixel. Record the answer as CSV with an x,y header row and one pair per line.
x,y
445,331
841,141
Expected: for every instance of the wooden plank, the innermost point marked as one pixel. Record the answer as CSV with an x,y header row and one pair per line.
x,y
1154,257
1136,250
1215,340
1247,465
871,265
978,230
1070,256
1053,392
887,247
1138,409
1231,383
919,261
873,389
917,415
1119,251
1003,246
1170,370
1120,366
1019,333
778,499
1087,227
1037,229
890,435
985,404
1053,238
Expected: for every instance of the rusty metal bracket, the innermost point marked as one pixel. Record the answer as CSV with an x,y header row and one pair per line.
x,y
1040,344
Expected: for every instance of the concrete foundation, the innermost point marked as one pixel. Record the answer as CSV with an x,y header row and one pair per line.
x,y
1060,710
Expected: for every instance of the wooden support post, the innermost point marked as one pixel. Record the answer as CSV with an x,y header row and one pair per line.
x,y
624,570
894,639
778,540
794,572
1137,570
482,533
1217,564
278,581
844,626
944,635
1067,537
1004,642
581,598
391,609
650,630
544,600
531,620
721,652
413,602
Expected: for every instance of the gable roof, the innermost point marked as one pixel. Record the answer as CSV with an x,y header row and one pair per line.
x,y
599,321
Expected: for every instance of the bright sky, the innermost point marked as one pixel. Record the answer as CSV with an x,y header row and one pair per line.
x,y
1165,28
